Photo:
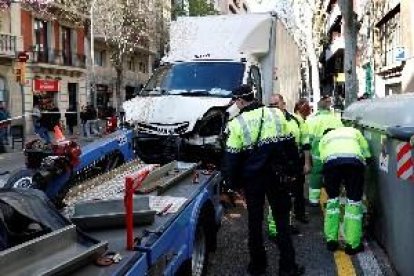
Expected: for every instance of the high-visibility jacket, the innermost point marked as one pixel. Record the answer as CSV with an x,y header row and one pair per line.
x,y
317,124
246,151
293,126
344,142
298,128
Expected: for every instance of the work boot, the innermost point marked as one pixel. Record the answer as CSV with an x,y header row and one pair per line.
x,y
294,230
295,271
332,245
352,251
257,265
256,269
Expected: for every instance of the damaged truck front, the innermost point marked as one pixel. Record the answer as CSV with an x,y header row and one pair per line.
x,y
182,111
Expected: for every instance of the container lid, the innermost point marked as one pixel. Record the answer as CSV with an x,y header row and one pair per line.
x,y
382,113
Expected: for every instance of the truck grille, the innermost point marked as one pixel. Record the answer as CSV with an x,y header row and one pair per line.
x,y
163,129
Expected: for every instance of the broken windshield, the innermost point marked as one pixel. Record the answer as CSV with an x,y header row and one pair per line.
x,y
215,79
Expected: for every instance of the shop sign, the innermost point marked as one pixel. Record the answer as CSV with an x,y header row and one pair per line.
x,y
46,85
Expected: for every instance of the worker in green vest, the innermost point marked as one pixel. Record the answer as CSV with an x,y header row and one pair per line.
x,y
317,124
344,152
297,127
254,138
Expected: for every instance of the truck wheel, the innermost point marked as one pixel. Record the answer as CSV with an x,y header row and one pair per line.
x,y
200,253
20,179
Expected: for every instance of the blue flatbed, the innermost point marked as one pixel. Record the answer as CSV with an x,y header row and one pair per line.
x,y
170,236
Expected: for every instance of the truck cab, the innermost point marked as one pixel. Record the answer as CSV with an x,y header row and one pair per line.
x,y
182,111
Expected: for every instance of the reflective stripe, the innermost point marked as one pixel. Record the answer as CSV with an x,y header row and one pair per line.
x,y
245,129
277,121
344,155
332,212
330,139
352,216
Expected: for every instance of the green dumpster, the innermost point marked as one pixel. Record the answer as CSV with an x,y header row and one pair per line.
x,y
388,125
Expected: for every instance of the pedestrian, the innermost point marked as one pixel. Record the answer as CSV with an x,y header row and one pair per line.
x,y
296,126
71,118
121,114
83,117
51,118
39,124
317,124
252,137
91,121
4,124
344,152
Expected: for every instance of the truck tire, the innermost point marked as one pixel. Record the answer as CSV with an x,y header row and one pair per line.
x,y
20,179
200,252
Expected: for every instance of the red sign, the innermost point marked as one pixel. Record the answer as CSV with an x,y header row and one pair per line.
x,y
22,56
46,85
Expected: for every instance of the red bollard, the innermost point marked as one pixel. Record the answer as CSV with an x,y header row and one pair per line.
x,y
132,183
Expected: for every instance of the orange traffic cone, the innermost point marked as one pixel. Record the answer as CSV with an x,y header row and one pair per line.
x,y
59,137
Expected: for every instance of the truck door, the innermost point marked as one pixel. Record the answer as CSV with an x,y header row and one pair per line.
x,y
255,81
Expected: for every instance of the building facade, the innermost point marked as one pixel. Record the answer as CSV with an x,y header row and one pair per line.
x,y
55,70
384,47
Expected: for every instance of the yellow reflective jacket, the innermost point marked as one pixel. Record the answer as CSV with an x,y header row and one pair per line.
x,y
317,125
345,142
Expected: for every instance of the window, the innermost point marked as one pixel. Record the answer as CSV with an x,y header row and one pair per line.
x,y
99,57
216,79
41,41
256,82
2,90
232,9
131,65
390,38
66,46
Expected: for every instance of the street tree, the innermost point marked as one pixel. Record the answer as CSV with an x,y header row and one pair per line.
x,y
297,15
125,25
193,8
350,37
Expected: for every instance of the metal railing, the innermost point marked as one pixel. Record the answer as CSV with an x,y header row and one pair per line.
x,y
8,44
58,57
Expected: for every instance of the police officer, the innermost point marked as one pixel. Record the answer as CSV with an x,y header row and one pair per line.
x,y
317,124
297,127
343,152
252,136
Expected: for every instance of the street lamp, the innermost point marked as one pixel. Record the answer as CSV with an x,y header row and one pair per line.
x,y
92,54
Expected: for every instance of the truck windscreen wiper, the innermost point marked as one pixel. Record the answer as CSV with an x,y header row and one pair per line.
x,y
154,91
195,93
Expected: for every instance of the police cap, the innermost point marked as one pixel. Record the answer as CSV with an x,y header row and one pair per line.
x,y
244,91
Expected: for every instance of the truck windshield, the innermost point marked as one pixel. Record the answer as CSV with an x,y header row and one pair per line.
x,y
215,79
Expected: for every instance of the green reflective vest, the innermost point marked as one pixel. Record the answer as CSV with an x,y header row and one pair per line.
x,y
344,142
244,129
317,125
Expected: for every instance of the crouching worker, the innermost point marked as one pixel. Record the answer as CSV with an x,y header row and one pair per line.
x,y
344,152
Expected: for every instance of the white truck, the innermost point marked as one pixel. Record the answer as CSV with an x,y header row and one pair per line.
x,y
182,111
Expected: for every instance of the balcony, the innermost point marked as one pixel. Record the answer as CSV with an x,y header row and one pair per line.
x,y
336,47
8,45
334,17
58,57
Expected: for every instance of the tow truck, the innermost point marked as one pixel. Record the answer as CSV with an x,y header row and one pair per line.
x,y
115,215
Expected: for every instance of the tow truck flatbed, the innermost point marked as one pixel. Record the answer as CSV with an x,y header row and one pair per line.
x,y
166,245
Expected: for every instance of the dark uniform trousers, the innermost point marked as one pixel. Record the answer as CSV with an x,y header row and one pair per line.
x,y
279,200
298,189
349,172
